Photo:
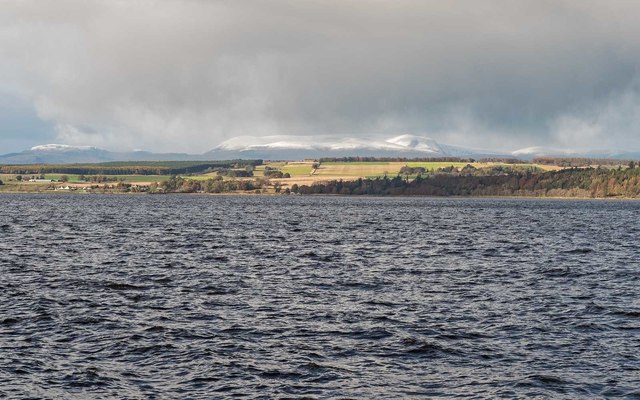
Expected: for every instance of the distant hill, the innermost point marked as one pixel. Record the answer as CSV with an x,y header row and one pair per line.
x,y
289,147
254,147
64,154
534,152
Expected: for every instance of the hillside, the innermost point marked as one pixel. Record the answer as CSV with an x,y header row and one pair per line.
x,y
574,182
64,154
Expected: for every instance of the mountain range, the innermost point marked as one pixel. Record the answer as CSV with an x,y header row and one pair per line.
x,y
286,147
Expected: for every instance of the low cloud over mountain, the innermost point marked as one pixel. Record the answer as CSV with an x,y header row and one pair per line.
x,y
180,76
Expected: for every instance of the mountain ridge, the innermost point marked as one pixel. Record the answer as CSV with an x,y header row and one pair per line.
x,y
289,147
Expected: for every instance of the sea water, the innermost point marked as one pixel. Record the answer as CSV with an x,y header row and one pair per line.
x,y
178,296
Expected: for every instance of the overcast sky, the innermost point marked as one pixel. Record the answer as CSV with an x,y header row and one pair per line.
x,y
185,75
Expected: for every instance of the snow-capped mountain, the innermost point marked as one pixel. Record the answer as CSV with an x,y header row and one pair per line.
x,y
65,154
328,143
284,147
289,147
61,147
416,143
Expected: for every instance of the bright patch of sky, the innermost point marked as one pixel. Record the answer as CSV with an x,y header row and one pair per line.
x,y
20,126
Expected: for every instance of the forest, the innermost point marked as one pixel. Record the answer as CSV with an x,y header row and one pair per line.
x,y
573,182
177,184
578,161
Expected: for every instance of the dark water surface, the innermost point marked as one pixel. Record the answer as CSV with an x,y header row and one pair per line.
x,y
318,297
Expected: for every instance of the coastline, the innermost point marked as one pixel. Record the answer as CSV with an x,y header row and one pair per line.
x,y
243,194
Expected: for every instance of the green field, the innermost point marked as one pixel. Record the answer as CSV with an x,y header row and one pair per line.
x,y
297,169
359,162
203,177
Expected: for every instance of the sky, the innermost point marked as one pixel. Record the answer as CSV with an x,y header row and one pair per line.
x,y
185,75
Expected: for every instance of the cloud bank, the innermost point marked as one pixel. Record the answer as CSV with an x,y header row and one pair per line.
x,y
169,75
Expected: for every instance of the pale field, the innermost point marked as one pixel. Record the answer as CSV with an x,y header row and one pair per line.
x,y
274,164
357,162
259,170
309,180
547,167
392,168
431,166
202,177
359,169
352,171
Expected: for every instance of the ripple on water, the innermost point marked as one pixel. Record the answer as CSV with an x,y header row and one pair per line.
x,y
343,297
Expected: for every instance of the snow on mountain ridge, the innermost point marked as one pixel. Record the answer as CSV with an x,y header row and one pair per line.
x,y
239,143
319,143
417,143
539,151
528,150
287,147
60,147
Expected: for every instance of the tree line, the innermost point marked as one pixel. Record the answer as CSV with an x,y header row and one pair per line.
x,y
582,182
503,160
579,161
178,184
131,168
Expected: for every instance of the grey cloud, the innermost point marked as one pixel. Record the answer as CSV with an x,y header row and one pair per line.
x,y
185,75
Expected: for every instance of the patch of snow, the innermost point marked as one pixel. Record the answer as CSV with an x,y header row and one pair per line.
x,y
529,151
60,147
398,143
241,143
418,143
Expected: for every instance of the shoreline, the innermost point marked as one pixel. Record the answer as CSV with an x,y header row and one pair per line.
x,y
79,193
